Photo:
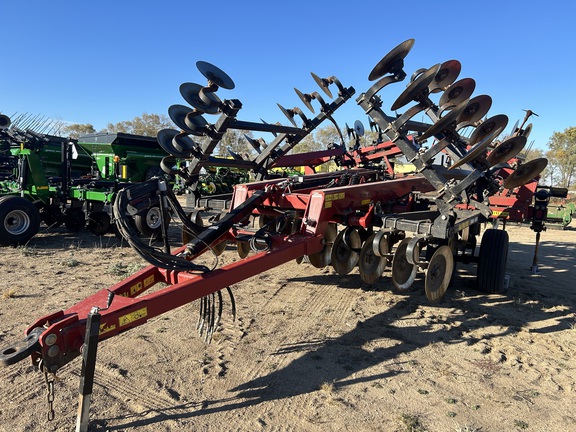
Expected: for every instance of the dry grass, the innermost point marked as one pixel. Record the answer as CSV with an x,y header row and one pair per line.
x,y
327,387
9,293
488,367
411,423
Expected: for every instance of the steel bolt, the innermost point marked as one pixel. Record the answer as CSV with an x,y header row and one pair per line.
x,y
53,351
50,339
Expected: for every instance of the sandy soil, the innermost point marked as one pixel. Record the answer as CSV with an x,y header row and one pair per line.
x,y
309,351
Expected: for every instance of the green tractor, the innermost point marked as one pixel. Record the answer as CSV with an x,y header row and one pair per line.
x,y
560,214
131,158
57,181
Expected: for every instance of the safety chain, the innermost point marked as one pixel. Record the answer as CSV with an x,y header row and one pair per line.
x,y
50,395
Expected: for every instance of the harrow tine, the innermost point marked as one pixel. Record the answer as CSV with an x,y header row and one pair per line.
x,y
47,127
233,301
25,121
55,128
211,326
220,306
208,314
18,120
201,316
34,122
14,118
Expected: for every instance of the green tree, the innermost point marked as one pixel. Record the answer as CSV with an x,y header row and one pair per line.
x,y
235,141
562,156
546,176
533,154
307,144
327,136
146,124
321,139
76,129
371,138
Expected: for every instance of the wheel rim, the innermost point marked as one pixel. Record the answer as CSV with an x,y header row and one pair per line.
x,y
17,222
153,218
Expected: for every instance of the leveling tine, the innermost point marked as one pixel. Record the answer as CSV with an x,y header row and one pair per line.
x,y
201,315
32,122
233,301
24,120
220,307
210,329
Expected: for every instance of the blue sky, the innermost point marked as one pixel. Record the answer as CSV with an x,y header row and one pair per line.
x,y
108,61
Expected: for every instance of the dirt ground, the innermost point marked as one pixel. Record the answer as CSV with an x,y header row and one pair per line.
x,y
309,351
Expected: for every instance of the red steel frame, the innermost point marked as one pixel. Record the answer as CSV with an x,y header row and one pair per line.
x,y
516,204
132,307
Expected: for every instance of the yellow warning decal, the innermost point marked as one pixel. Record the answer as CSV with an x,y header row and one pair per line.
x,y
499,213
149,281
136,288
133,316
42,187
334,196
366,201
139,286
105,328
328,198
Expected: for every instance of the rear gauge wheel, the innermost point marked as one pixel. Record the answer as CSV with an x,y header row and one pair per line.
x,y
19,221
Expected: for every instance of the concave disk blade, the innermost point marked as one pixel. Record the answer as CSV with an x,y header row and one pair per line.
x,y
370,265
393,61
344,256
439,273
403,273
525,173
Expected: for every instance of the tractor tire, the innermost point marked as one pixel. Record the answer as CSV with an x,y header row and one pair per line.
x,y
99,223
51,218
492,259
74,219
19,221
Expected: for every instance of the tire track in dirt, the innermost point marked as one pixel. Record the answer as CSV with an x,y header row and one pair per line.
x,y
140,396
20,385
313,302
324,306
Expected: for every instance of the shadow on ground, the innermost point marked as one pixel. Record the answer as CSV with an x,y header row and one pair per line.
x,y
531,300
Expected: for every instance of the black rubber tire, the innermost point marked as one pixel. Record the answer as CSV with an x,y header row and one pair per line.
x,y
99,223
75,219
51,218
196,217
492,260
19,221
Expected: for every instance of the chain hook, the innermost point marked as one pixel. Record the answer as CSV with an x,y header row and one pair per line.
x,y
50,393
